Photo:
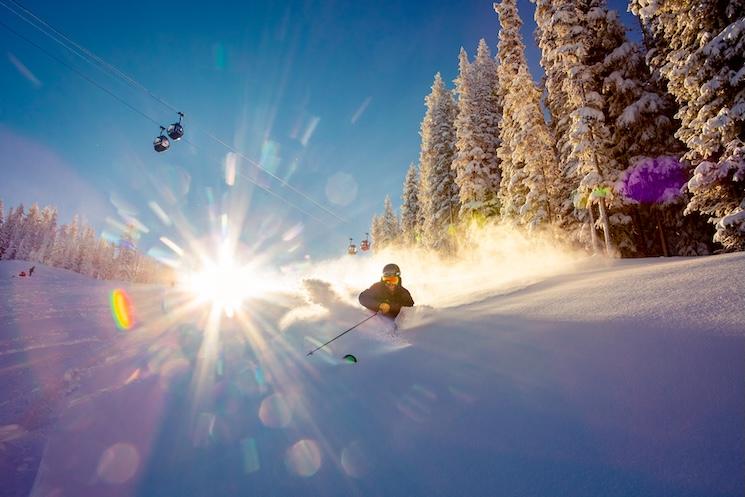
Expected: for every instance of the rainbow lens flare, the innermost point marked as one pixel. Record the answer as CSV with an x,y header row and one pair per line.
x,y
121,309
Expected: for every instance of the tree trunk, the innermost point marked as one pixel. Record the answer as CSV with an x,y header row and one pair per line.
x,y
663,241
593,235
606,226
639,225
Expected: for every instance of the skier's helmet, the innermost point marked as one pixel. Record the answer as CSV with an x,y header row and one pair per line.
x,y
391,270
391,275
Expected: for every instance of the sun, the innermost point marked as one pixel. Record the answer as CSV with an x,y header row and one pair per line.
x,y
223,282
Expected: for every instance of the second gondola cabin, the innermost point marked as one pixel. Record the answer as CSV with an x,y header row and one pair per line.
x,y
365,244
161,142
176,130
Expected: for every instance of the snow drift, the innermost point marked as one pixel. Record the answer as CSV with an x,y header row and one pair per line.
x,y
578,378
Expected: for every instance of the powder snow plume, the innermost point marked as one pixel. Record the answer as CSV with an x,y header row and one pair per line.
x,y
492,260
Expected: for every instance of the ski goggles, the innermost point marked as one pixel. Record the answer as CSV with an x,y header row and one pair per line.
x,y
391,279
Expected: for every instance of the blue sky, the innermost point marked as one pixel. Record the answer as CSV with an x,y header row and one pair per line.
x,y
328,96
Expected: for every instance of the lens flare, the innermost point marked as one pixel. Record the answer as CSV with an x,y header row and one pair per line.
x,y
355,461
121,309
275,412
204,430
118,463
341,189
250,454
223,282
303,458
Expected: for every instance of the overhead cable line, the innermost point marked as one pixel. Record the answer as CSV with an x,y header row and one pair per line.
x,y
82,75
97,61
143,114
84,53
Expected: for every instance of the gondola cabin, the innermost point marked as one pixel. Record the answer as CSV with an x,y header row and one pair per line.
x,y
176,130
365,244
161,143
352,248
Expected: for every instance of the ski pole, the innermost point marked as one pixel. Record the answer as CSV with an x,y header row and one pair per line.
x,y
340,334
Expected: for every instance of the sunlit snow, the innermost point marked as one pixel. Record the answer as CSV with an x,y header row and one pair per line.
x,y
522,370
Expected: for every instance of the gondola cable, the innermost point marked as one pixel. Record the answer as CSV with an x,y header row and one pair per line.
x,y
144,115
97,61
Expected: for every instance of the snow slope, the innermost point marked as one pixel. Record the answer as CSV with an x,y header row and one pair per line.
x,y
623,379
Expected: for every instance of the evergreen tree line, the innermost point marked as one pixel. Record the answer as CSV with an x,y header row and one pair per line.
x,y
34,236
638,145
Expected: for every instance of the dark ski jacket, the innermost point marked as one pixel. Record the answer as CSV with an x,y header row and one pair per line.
x,y
378,294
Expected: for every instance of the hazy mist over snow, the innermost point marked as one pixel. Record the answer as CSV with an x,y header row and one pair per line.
x,y
492,260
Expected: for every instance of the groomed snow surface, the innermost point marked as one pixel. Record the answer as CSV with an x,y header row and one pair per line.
x,y
622,378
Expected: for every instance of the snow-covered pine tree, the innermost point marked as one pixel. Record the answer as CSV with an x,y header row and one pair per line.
x,y
410,209
23,251
555,20
510,51
639,110
109,265
718,190
536,147
72,245
48,233
527,149
31,236
57,256
641,116
105,258
126,260
390,223
144,271
655,184
699,48
4,234
97,259
553,32
605,33
477,131
139,273
575,37
15,231
420,214
87,251
438,192
376,233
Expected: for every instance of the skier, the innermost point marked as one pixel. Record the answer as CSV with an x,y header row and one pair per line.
x,y
387,296
31,271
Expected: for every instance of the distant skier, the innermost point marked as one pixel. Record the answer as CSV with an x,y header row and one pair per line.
x,y
31,271
387,296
